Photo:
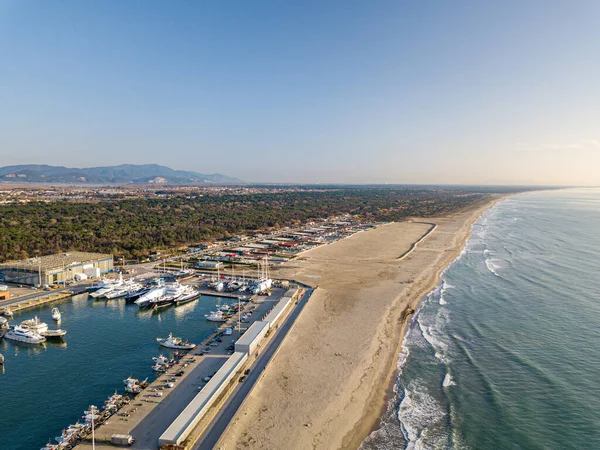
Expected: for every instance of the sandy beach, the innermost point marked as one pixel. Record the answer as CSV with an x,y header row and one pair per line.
x,y
326,387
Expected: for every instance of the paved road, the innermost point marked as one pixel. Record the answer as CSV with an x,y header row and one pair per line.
x,y
33,295
214,431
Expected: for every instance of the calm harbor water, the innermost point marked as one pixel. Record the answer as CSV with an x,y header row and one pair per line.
x,y
45,388
505,353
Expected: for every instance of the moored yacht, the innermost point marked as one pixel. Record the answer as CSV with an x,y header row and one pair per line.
x,y
152,294
35,325
191,293
175,342
19,334
215,316
7,312
56,315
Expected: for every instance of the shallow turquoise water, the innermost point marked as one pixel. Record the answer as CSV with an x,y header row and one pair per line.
x,y
45,388
505,353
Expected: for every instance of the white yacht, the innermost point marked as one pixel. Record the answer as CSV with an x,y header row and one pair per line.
x,y
108,286
215,316
56,315
124,290
191,293
175,342
54,334
19,334
153,294
35,325
172,293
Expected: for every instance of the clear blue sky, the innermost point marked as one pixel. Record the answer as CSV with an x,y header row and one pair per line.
x,y
396,91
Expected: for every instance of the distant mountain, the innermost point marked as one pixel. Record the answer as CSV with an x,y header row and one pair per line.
x,y
123,174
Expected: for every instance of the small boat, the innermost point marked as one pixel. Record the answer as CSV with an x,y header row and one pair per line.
x,y
133,386
54,334
215,316
56,315
3,323
7,312
160,359
225,308
175,342
19,334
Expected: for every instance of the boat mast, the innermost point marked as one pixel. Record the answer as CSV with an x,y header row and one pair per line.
x,y
92,412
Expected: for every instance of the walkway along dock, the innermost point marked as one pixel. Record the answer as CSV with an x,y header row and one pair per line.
x,y
37,301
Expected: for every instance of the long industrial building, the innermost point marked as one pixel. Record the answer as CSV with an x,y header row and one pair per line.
x,y
55,269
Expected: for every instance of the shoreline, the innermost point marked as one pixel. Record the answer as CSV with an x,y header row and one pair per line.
x,y
415,307
348,338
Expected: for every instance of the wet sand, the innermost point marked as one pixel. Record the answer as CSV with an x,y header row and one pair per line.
x,y
326,387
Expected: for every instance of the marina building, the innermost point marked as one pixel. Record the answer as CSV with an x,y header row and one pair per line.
x,y
55,269
252,338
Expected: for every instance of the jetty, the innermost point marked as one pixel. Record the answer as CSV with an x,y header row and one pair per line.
x,y
37,301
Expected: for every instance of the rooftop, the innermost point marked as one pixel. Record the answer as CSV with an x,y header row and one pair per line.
x,y
60,260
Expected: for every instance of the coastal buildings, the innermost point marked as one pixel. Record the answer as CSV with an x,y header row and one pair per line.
x,y
55,269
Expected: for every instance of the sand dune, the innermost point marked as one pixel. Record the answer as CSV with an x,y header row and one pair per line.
x,y
326,387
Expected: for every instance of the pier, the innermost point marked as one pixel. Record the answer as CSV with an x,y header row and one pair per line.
x,y
20,305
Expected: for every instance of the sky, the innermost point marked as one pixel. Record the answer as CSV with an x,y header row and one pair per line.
x,y
337,91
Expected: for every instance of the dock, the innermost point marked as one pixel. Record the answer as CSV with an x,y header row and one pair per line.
x,y
37,301
219,294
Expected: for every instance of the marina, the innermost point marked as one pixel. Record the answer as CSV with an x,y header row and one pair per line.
x,y
106,341
115,344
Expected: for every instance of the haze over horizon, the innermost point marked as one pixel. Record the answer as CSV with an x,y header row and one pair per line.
x,y
403,92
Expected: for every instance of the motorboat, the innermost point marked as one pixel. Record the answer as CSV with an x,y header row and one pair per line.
x,y
215,316
54,334
7,312
153,294
124,290
175,342
133,386
35,325
107,286
234,286
190,294
135,294
160,359
225,308
19,334
56,315
172,293
3,322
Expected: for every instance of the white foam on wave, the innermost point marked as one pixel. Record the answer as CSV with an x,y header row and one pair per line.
x,y
418,411
448,381
439,346
491,266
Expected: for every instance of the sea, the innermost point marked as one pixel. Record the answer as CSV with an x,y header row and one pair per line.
x,y
505,352
44,388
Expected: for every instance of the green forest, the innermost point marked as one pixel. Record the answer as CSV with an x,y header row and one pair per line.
x,y
134,228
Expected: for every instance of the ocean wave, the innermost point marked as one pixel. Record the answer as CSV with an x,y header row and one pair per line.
x,y
418,412
439,347
491,266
